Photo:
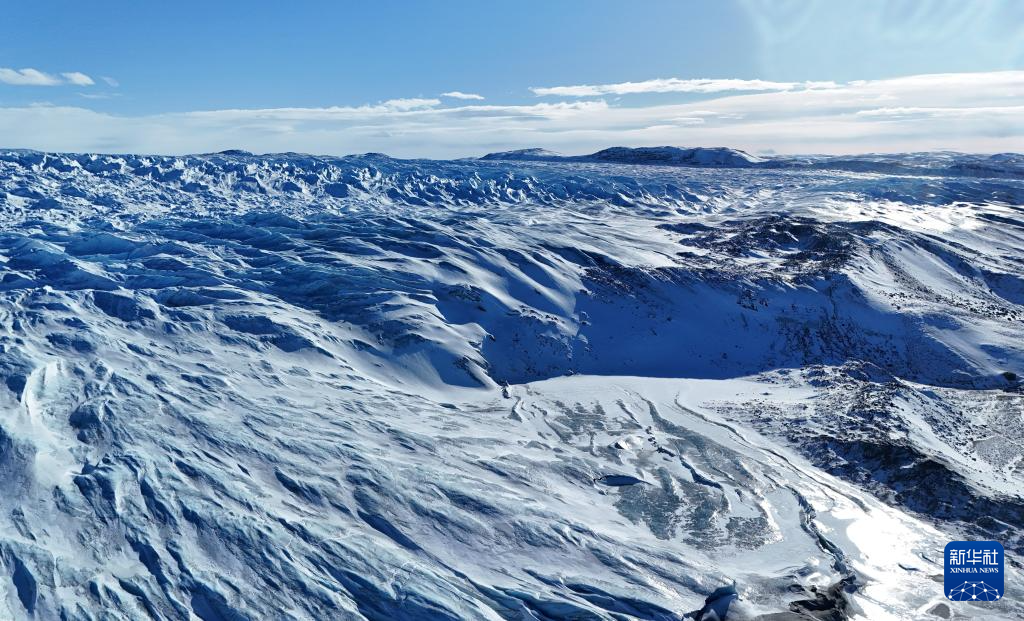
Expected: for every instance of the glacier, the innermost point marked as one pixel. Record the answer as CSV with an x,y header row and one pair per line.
x,y
641,385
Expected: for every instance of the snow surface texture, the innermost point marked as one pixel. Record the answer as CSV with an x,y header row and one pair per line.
x,y
288,387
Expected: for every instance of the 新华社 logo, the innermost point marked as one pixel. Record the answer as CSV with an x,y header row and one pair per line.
x,y
974,571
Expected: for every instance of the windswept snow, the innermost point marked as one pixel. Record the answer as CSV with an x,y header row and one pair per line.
x,y
523,387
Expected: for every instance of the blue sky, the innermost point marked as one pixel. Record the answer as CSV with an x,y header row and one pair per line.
x,y
340,77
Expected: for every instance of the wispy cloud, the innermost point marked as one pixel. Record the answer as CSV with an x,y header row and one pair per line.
x,y
411,103
674,85
110,81
398,111
27,77
34,77
461,95
78,78
934,113
978,112
99,95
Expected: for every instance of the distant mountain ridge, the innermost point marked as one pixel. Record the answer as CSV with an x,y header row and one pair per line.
x,y
943,164
658,156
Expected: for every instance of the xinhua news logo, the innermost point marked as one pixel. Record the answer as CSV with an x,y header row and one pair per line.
x,y
974,571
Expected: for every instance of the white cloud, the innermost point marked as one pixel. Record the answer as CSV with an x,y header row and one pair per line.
x,y
925,112
461,95
674,85
34,77
397,112
100,95
27,77
412,103
78,78
978,112
110,81
686,120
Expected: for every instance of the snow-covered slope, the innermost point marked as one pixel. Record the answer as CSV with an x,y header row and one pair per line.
x,y
295,387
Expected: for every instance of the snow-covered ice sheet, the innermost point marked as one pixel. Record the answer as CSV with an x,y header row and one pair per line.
x,y
295,387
